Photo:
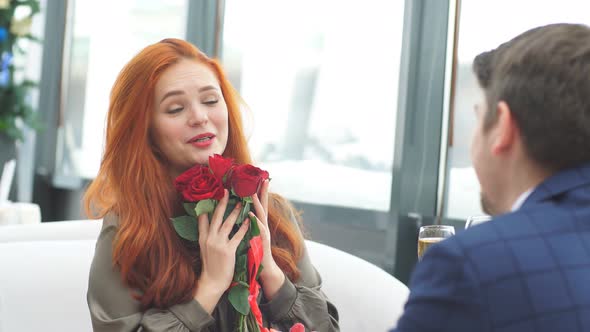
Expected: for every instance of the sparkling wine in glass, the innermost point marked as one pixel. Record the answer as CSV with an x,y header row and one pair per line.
x,y
432,234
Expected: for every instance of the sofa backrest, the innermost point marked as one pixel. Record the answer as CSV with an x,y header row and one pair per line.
x,y
44,277
51,231
367,297
43,285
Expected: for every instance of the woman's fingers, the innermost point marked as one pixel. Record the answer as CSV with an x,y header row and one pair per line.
x,y
229,223
203,221
264,194
235,240
260,212
261,225
219,212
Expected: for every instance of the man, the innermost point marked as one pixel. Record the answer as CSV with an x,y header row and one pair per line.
x,y
528,269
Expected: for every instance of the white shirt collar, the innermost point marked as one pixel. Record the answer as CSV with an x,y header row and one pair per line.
x,y
520,200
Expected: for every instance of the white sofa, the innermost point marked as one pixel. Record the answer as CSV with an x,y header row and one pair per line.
x,y
44,275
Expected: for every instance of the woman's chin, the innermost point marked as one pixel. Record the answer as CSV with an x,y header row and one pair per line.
x,y
201,160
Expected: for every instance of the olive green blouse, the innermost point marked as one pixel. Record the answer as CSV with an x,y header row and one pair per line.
x,y
112,307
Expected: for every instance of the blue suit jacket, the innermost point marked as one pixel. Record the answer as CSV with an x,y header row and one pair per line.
x,y
524,271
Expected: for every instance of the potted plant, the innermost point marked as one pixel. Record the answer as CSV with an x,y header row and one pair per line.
x,y
15,107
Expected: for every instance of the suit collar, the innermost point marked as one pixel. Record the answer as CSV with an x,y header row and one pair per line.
x,y
560,182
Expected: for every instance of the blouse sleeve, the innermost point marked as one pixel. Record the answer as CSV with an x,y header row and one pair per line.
x,y
302,302
113,308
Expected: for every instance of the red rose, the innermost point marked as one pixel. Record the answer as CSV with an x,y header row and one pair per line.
x,y
220,165
297,328
185,178
198,184
246,179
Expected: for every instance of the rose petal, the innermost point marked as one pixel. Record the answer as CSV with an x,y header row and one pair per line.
x,y
297,328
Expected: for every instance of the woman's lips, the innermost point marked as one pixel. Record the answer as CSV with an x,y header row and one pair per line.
x,y
202,140
203,144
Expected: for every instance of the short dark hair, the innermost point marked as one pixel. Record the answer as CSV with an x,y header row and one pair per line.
x,y
544,76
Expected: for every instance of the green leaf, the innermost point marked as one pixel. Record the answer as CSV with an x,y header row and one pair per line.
x,y
259,271
32,38
15,133
35,7
242,248
254,229
243,283
241,264
33,4
186,227
241,277
243,213
231,204
238,297
29,84
205,206
190,208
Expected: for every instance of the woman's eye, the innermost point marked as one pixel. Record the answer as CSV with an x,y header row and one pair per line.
x,y
211,102
175,110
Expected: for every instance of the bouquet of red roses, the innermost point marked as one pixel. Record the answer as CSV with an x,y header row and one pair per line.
x,y
202,187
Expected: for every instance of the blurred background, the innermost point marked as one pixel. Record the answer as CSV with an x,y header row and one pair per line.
x,y
362,111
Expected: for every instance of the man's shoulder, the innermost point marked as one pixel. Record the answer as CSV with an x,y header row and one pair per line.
x,y
512,241
510,260
545,221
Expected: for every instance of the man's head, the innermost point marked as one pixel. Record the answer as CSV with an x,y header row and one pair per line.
x,y
536,107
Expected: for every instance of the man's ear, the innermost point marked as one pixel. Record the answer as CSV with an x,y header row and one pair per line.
x,y
506,132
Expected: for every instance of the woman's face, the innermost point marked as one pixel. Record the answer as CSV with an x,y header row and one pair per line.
x,y
190,120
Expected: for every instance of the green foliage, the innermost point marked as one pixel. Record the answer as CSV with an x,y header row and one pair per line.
x,y
14,93
242,248
190,209
238,297
186,227
254,229
205,206
243,212
231,204
241,265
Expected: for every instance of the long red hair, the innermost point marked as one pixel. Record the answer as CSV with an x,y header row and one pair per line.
x,y
133,183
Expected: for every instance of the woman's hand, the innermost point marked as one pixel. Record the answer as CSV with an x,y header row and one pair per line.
x,y
218,253
271,277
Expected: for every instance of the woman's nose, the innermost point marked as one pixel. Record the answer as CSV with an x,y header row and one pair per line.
x,y
197,116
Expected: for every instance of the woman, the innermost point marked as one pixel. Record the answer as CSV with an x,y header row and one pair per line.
x,y
171,108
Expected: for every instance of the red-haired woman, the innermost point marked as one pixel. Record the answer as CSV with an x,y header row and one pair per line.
x,y
172,107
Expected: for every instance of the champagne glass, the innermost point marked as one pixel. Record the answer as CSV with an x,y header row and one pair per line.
x,y
432,234
475,220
